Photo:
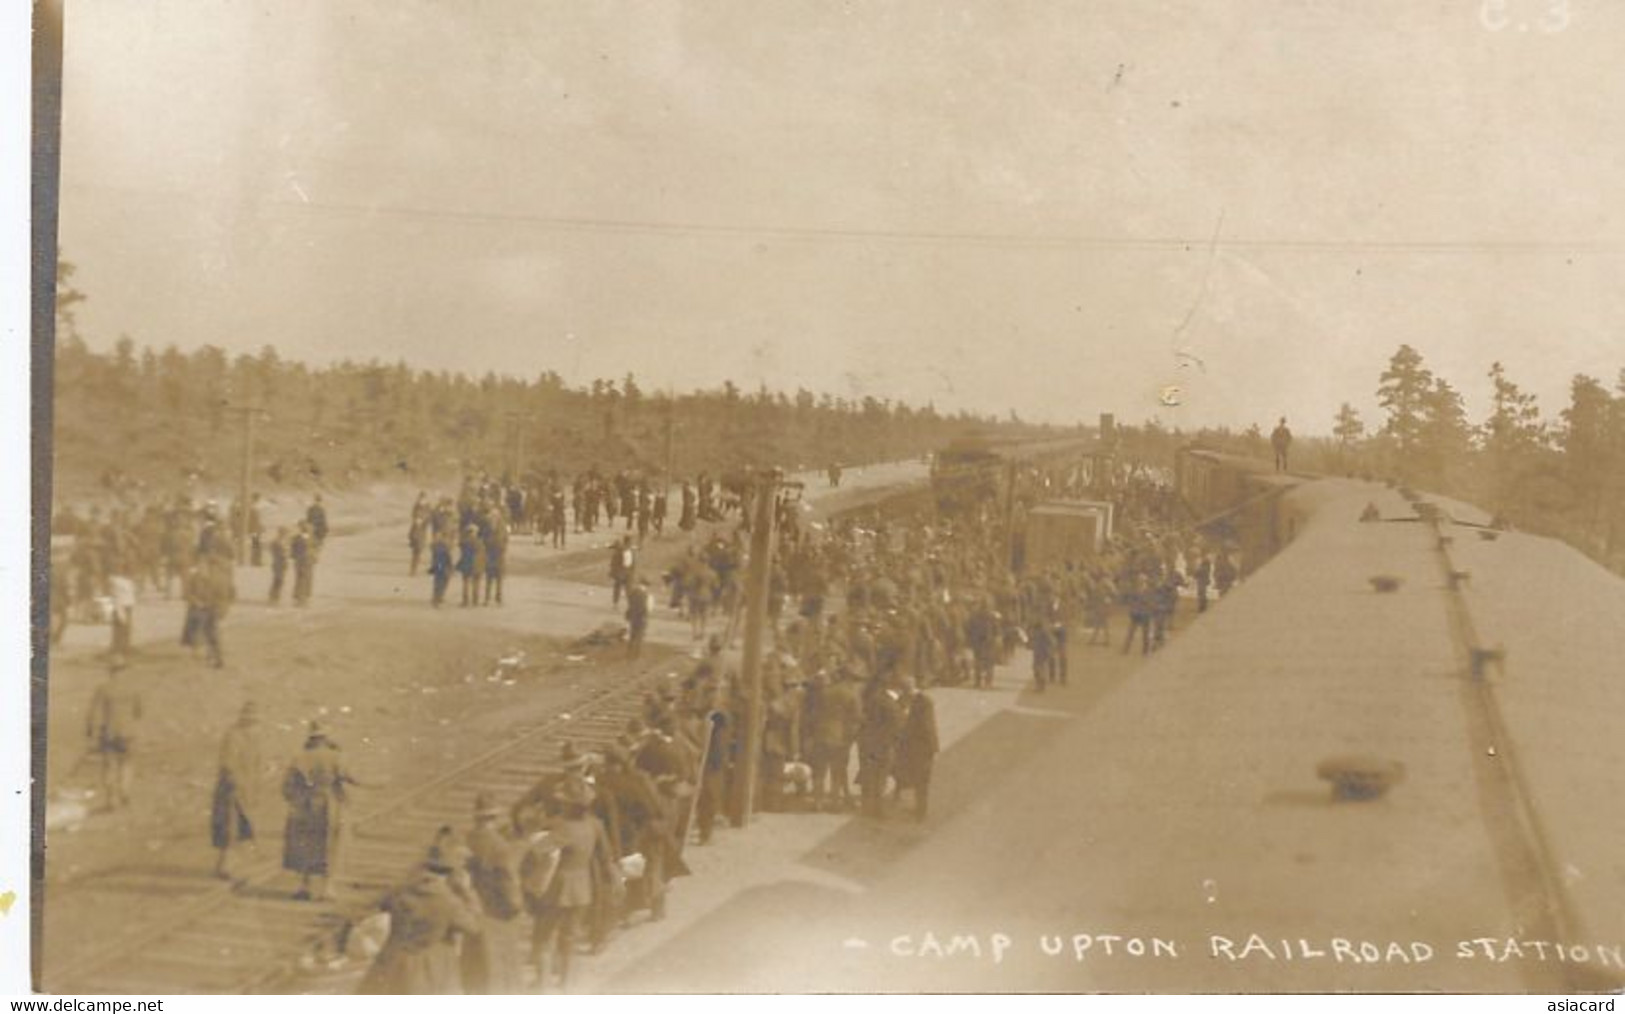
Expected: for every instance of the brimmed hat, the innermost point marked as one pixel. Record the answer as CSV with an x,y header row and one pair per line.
x,y
574,792
485,807
447,853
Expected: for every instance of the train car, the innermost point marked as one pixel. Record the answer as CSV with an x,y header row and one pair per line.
x,y
1061,532
1237,499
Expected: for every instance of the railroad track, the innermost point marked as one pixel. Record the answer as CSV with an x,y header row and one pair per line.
x,y
250,938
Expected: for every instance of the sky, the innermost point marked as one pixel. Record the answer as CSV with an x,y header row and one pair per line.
x,y
1056,208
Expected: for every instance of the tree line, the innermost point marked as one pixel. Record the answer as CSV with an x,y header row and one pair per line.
x,y
153,418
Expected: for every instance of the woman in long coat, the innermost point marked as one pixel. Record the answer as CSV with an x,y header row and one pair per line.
x,y
315,788
426,918
237,789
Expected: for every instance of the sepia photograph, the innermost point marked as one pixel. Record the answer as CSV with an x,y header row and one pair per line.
x,y
828,496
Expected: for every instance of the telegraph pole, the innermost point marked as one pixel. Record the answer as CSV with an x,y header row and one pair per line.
x,y
756,587
249,414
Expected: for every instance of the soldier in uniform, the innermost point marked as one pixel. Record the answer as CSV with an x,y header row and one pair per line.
x,y
302,551
417,532
1203,576
496,555
917,750
877,745
1141,603
316,788
316,517
585,861
440,566
236,789
471,564
115,708
622,562
279,564
1224,573
1281,441
637,616
492,958
426,918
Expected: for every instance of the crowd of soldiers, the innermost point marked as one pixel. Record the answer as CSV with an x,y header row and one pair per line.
x,y
466,537
109,560
864,617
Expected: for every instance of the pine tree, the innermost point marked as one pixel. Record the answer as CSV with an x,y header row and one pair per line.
x,y
1513,436
1445,439
1403,391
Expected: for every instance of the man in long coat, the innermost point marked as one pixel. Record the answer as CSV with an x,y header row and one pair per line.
x,y
235,811
315,788
877,745
917,751
425,920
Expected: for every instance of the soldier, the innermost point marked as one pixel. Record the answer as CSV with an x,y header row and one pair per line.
x,y
657,510
1203,575
115,708
1041,640
316,788
1281,440
208,595
236,789
302,551
686,520
917,750
1141,606
316,517
496,555
585,861
417,532
557,519
123,594
256,532
637,617
426,918
279,564
877,745
471,563
622,562
492,958
440,566
1224,573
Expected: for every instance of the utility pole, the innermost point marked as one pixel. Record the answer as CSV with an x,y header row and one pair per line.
x,y
1010,516
756,587
670,410
249,414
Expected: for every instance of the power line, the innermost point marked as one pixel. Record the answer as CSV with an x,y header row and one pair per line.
x,y
989,238
836,234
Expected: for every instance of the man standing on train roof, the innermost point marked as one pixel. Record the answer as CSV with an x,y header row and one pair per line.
x,y
1281,441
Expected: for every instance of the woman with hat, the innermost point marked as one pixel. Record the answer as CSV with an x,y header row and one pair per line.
x,y
316,790
237,788
585,860
425,920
